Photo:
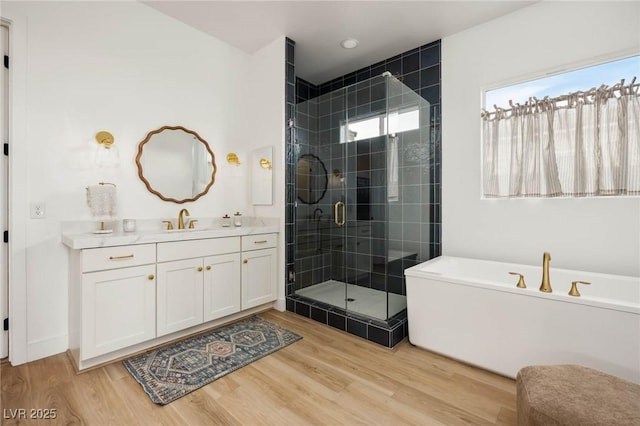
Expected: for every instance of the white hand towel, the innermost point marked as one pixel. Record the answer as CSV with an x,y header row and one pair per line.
x,y
393,190
101,199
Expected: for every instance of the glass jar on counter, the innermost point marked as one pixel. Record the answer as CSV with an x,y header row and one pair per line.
x,y
237,219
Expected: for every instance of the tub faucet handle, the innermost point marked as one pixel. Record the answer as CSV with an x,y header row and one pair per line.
x,y
545,286
521,283
574,288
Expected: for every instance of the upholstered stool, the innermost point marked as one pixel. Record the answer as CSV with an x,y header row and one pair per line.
x,y
573,395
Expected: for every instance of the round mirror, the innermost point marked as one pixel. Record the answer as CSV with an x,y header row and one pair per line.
x,y
176,164
311,179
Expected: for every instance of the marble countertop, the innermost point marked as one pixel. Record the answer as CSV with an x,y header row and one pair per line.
x,y
86,239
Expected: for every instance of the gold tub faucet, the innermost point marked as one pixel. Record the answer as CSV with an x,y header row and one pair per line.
x,y
181,218
521,283
546,282
574,288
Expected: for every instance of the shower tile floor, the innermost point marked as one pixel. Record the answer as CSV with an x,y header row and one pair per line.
x,y
366,301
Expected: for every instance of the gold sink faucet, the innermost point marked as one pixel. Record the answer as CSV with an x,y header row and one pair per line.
x,y
546,282
181,218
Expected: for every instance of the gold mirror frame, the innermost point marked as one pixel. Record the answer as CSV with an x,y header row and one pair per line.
x,y
148,184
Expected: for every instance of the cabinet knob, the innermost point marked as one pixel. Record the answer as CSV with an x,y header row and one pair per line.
x,y
151,276
199,268
208,267
245,261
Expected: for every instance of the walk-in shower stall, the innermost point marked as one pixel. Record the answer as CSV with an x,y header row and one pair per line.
x,y
363,183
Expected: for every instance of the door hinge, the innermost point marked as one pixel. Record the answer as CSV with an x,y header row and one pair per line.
x,y
6,61
5,324
6,236
6,148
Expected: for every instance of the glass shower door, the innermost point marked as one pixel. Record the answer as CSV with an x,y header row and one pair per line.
x,y
341,206
364,139
364,201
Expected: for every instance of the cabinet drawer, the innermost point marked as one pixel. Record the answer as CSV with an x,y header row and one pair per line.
x,y
99,259
260,241
176,250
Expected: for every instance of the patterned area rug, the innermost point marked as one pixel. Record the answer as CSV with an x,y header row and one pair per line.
x,y
173,371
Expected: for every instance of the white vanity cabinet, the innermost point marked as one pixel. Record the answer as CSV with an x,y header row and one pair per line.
x,y
128,293
198,280
113,301
259,269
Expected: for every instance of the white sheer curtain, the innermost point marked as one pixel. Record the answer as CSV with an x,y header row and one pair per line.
x,y
578,145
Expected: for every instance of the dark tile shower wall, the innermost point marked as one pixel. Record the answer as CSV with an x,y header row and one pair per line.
x,y
414,221
313,259
290,158
419,69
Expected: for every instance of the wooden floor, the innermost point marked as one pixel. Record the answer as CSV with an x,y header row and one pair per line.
x,y
327,378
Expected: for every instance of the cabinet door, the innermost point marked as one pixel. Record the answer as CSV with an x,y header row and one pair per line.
x,y
179,295
221,285
259,274
118,309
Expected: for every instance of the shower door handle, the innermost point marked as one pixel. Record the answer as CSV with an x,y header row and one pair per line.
x,y
336,209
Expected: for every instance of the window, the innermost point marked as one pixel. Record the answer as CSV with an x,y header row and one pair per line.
x,y
609,73
574,134
398,121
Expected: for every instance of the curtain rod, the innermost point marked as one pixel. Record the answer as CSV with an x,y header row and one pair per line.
x,y
604,91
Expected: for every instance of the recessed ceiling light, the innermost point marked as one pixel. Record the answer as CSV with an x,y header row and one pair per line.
x,y
349,43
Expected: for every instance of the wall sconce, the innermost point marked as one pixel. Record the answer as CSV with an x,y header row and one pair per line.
x,y
265,164
105,139
232,158
106,152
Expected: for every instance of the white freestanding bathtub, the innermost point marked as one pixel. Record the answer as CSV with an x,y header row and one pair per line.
x,y
471,310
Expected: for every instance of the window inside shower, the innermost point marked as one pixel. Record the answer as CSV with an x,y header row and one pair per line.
x,y
380,125
363,180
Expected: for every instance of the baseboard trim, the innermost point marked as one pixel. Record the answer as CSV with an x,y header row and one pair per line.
x,y
280,305
43,348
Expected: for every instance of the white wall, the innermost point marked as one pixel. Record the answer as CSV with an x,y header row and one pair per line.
x,y
601,235
81,67
267,129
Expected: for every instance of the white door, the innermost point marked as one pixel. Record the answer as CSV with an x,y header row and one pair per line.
x,y
221,286
179,295
118,309
4,190
259,276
